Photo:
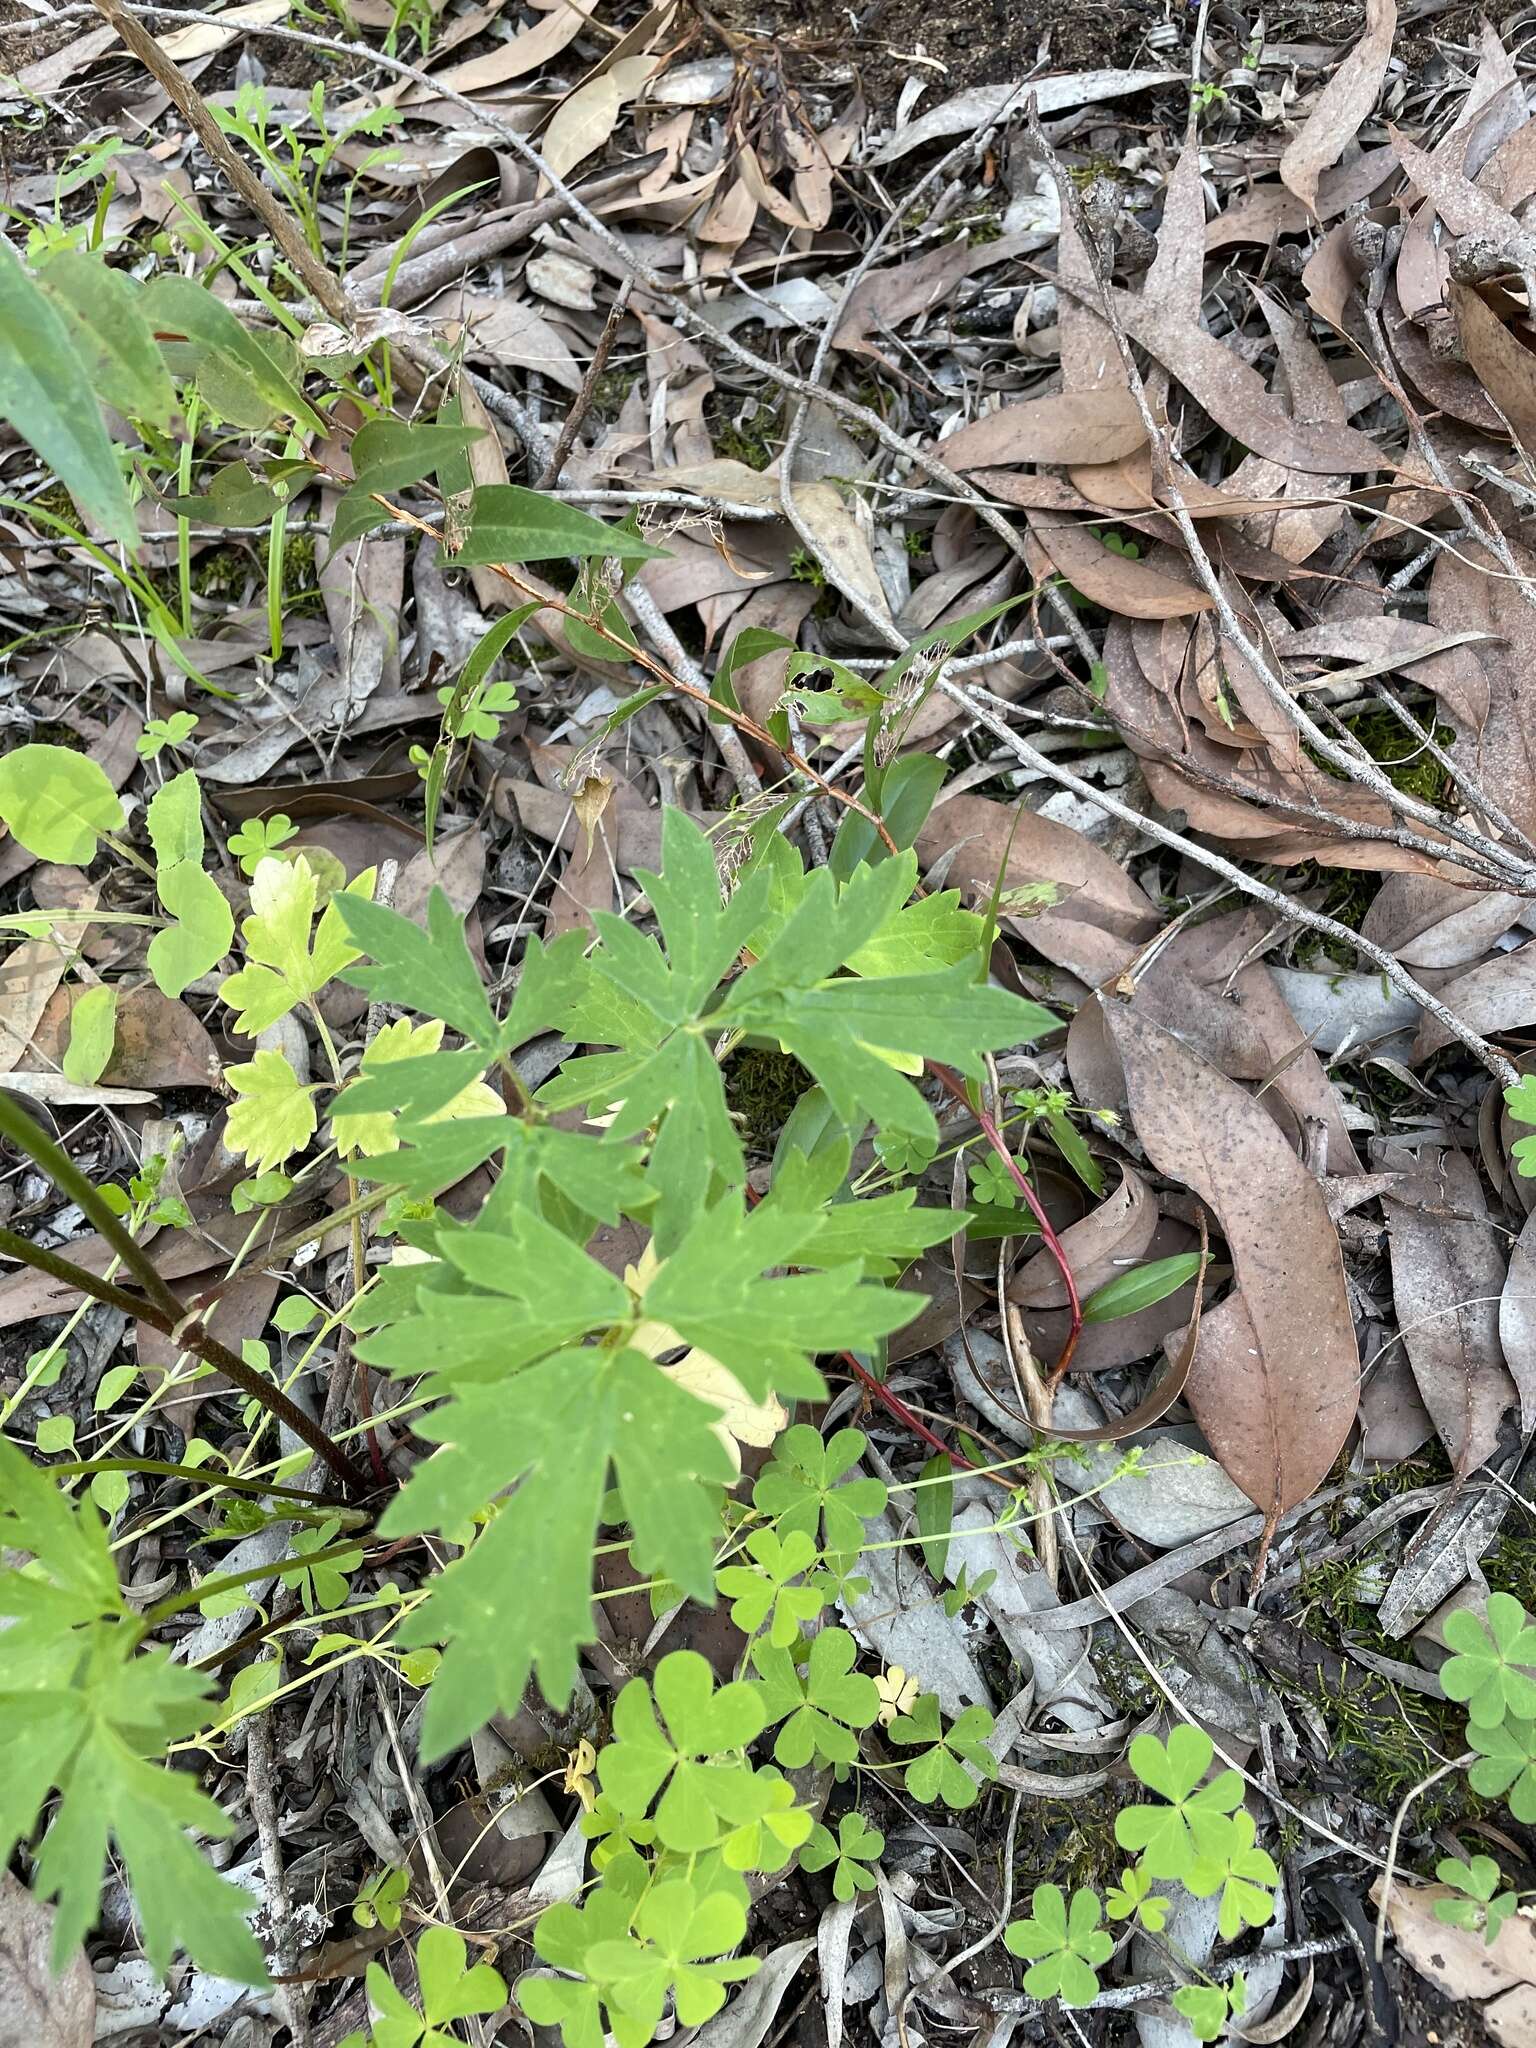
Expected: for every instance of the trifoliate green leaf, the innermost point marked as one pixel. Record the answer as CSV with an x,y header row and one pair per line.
x,y
851,1851
1064,1945
679,1753
803,1487
204,924
1243,1874
1506,1766
275,1116
287,967
763,1590
821,1710
1490,1671
939,1773
1196,1824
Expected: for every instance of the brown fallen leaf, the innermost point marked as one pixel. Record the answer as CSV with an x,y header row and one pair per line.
x,y
1506,367
1068,426
1099,1247
1130,587
886,298
1499,995
29,975
1469,589
1237,398
1342,105
40,2008
1447,1276
1275,1375
1431,923
1094,897
241,1311
1459,1961
159,1042
1517,1321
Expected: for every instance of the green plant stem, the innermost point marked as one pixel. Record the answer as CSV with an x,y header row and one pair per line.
x,y
205,1475
162,1310
230,1582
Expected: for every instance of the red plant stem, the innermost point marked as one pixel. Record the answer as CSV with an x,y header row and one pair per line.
x,y
902,1412
1052,1242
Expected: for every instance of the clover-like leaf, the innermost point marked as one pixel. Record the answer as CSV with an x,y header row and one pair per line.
x,y
1506,1765
851,1851
1490,1670
679,1931
275,1116
939,1772
821,1711
1195,1824
1063,1944
804,1488
762,1589
689,1756
1205,2006
1243,1874
1134,1898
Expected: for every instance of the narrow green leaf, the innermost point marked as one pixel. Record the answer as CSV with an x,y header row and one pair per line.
x,y
111,336
390,455
1142,1287
935,1498
46,394
179,307
92,1030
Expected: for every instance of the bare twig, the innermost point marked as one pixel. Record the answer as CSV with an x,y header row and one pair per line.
x,y
582,404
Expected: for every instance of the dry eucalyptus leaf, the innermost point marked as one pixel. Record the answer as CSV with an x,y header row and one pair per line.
x,y
37,2008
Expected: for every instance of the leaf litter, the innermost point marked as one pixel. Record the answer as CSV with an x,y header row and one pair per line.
x,y
1234,470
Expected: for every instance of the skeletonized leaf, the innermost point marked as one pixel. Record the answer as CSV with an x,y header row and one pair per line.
x,y
1274,1379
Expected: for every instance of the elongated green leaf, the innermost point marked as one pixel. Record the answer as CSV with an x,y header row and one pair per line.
x,y
47,395
934,1497
92,1029
180,308
111,336
57,802
1142,1287
390,455
204,923
509,524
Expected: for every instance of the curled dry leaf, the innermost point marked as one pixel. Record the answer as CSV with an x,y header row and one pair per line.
x,y
1341,106
1447,1276
1099,1247
1500,995
1505,365
1274,1379
983,104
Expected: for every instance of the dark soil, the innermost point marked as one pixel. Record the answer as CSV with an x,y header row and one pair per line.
x,y
977,42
